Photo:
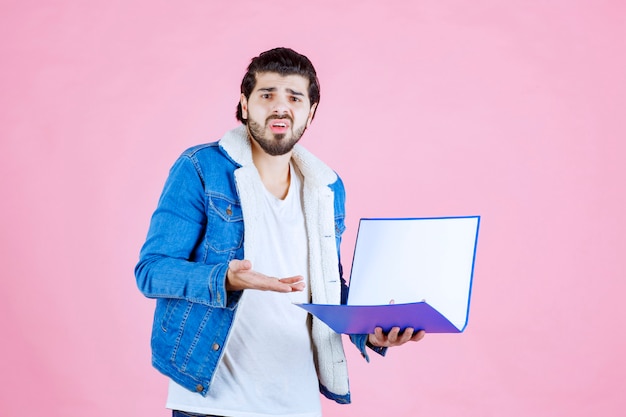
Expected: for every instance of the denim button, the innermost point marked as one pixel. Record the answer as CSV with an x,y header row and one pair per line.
x,y
216,346
199,388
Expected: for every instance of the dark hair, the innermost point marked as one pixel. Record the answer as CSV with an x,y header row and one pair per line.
x,y
283,61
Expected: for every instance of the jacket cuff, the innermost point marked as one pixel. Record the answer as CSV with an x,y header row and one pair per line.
x,y
217,289
360,341
217,285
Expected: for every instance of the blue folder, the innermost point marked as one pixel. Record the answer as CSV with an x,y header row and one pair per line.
x,y
432,290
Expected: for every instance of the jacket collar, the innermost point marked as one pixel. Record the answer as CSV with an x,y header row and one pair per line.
x,y
236,144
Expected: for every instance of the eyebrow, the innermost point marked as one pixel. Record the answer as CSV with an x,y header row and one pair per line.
x,y
294,92
289,90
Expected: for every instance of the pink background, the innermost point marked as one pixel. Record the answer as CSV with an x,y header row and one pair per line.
x,y
511,110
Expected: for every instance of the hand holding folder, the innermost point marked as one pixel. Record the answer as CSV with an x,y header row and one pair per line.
x,y
425,264
396,336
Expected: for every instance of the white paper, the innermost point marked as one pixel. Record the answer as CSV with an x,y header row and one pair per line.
x,y
411,260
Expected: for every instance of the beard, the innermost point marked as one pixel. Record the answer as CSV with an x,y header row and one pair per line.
x,y
278,144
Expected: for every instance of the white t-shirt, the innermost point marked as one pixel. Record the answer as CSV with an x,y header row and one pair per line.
x,y
267,368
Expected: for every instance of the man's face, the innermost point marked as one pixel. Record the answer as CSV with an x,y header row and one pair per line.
x,y
278,111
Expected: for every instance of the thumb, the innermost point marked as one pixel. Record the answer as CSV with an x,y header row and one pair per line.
x,y
237,265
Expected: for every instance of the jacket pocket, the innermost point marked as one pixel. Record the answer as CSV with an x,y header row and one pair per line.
x,y
194,339
224,231
166,308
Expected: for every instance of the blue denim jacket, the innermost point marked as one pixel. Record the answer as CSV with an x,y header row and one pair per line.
x,y
196,230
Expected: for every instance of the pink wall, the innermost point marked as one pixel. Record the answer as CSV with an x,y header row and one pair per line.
x,y
511,110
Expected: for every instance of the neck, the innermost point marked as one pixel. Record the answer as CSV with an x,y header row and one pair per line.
x,y
273,170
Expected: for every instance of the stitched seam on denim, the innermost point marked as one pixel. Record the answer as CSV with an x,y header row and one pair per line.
x,y
196,165
169,312
180,334
194,343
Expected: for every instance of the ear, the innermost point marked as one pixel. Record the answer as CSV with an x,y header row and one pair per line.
x,y
311,114
244,106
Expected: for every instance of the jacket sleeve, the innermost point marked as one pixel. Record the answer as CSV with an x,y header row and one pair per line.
x,y
167,267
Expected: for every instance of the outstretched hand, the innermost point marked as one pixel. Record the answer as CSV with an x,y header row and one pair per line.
x,y
241,276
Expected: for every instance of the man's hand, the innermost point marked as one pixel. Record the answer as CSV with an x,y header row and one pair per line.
x,y
394,337
240,276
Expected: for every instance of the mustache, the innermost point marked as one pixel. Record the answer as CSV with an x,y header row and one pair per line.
x,y
277,117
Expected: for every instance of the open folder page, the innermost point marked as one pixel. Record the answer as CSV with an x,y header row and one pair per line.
x,y
424,264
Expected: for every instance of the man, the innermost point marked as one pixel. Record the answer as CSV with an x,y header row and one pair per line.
x,y
244,228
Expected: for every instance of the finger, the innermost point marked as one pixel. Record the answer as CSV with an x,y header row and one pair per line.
x,y
293,286
298,286
392,336
406,335
378,332
290,284
272,284
378,336
418,336
296,283
292,280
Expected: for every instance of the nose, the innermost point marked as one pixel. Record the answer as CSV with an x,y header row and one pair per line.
x,y
281,106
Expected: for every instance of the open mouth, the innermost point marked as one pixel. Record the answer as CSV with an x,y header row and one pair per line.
x,y
279,125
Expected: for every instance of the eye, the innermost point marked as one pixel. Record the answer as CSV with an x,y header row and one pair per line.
x,y
266,95
295,99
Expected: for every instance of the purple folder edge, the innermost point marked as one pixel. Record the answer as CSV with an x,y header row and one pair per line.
x,y
350,319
